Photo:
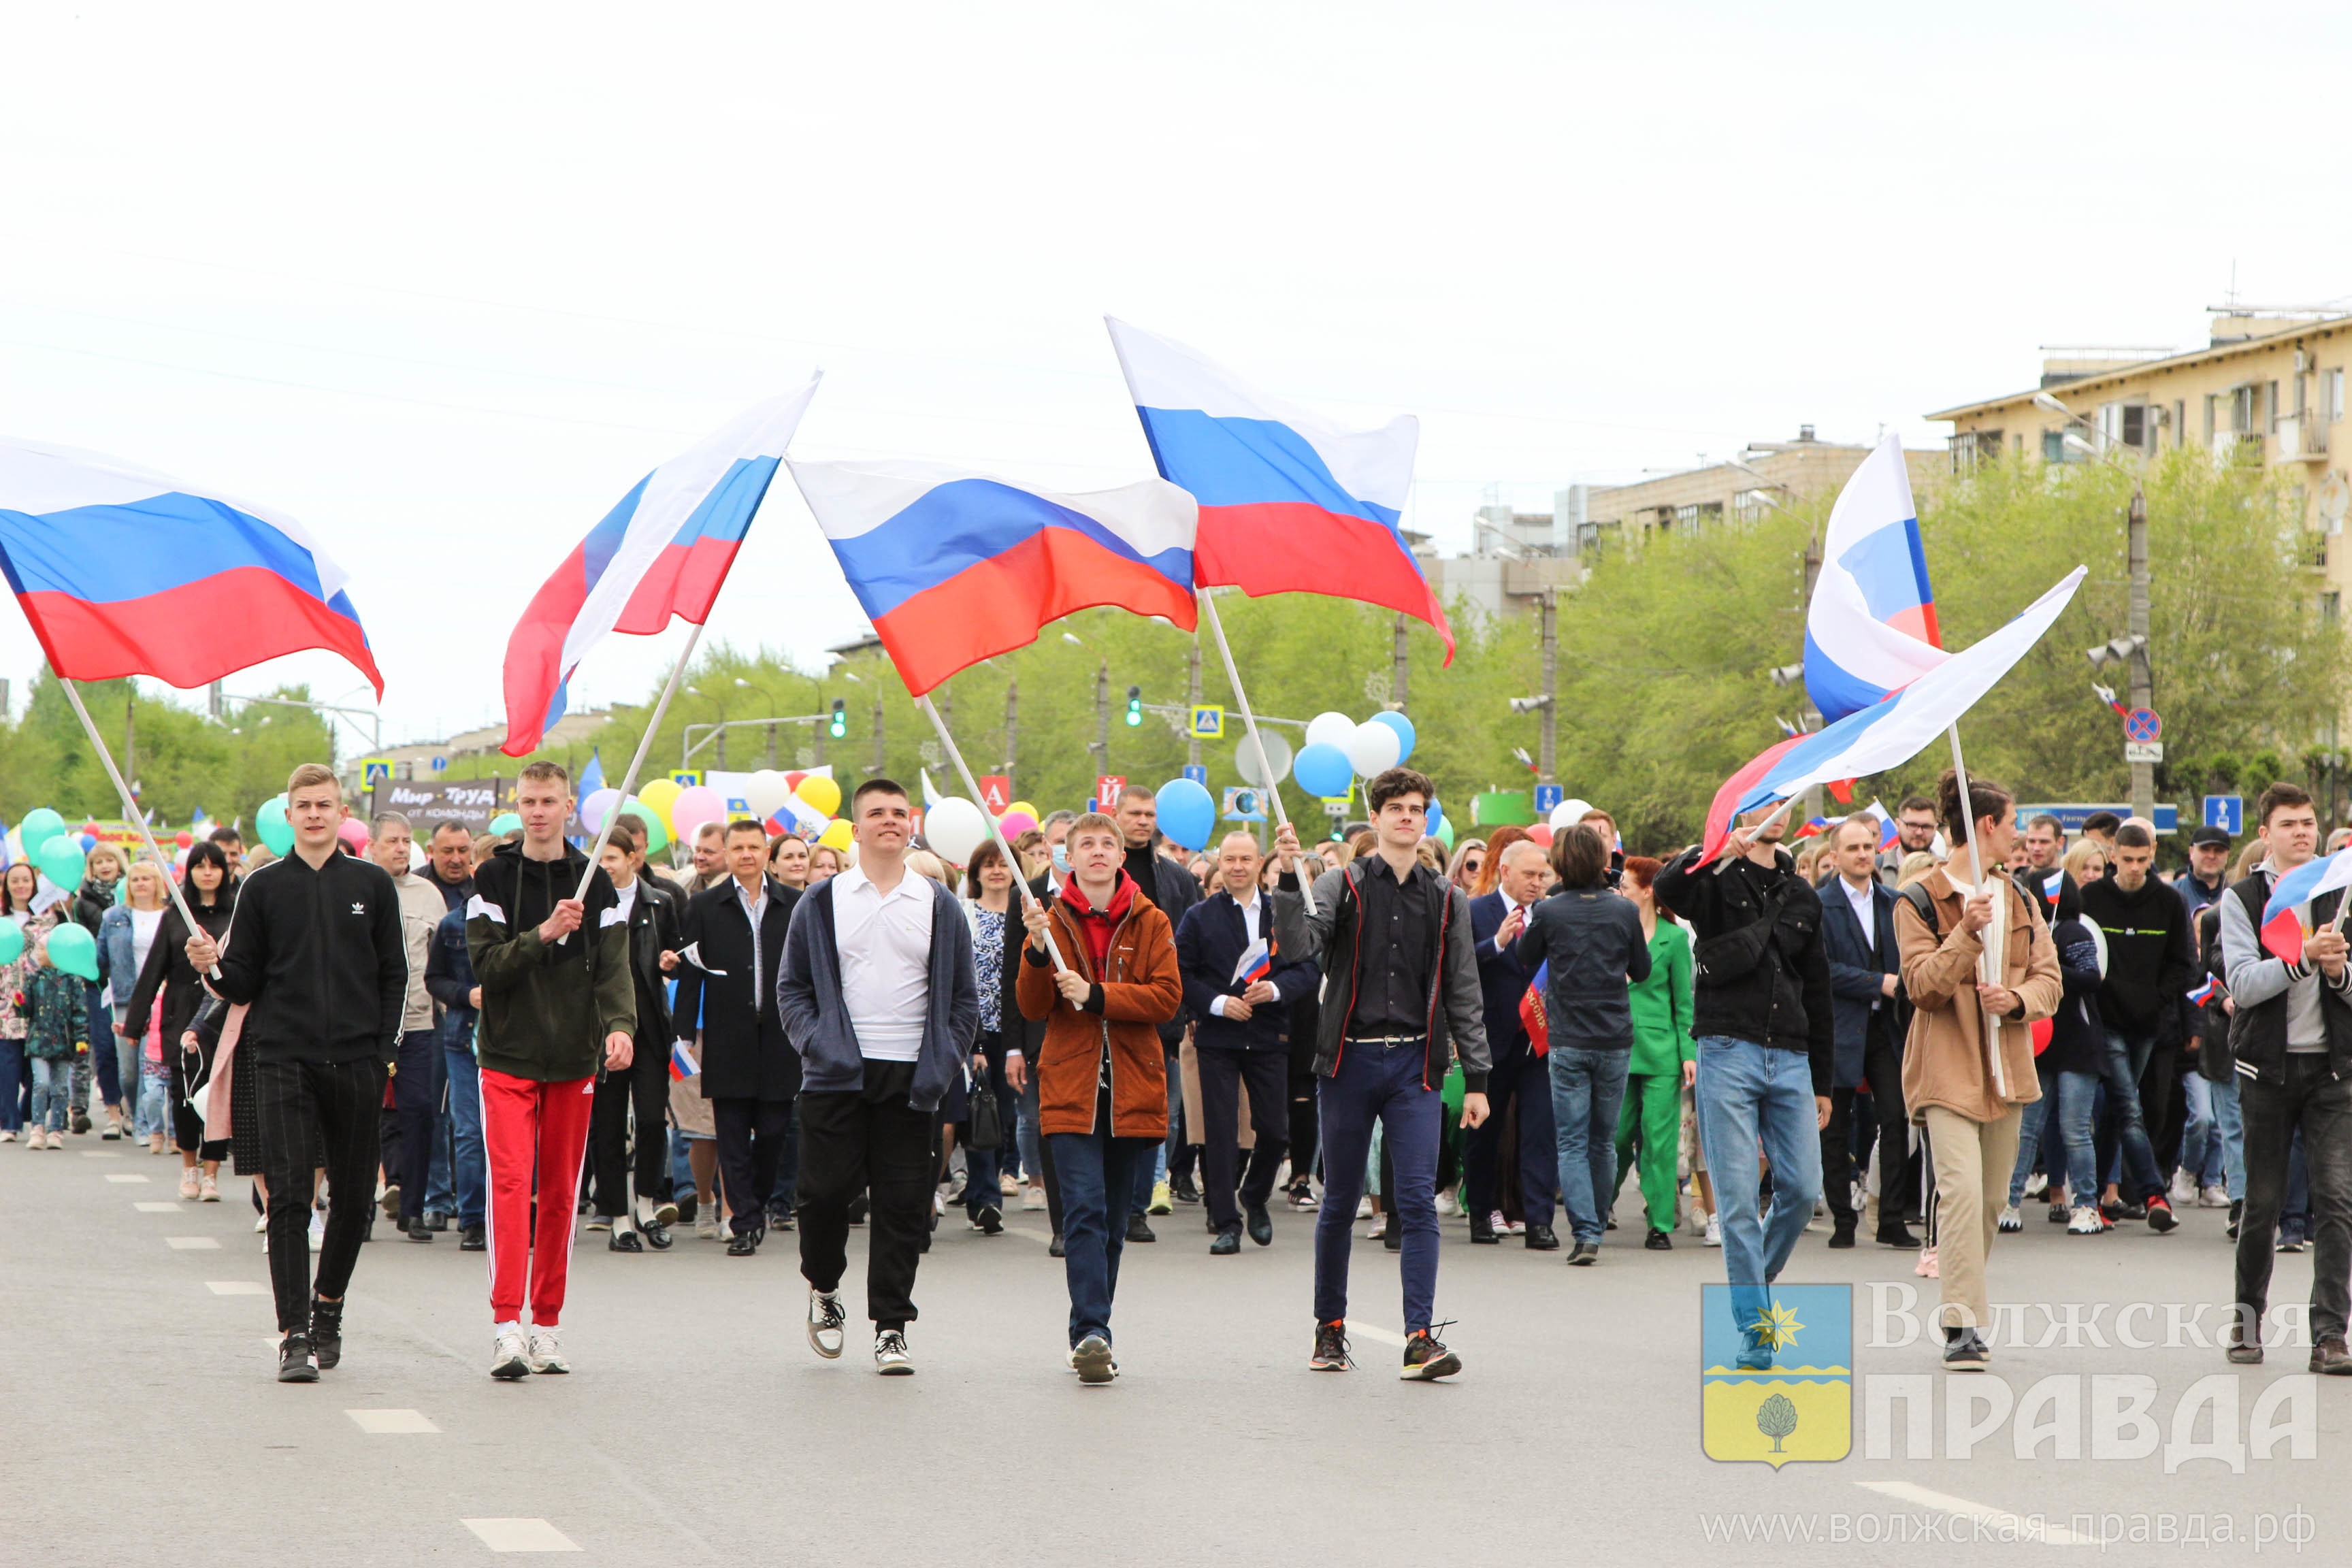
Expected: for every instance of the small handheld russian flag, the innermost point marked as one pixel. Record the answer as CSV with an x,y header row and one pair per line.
x,y
2284,920
2053,884
682,1065
2205,993
1255,963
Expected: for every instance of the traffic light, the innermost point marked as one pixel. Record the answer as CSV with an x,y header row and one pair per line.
x,y
840,726
1135,707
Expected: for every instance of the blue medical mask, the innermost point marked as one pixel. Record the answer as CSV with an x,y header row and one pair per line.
x,y
1062,857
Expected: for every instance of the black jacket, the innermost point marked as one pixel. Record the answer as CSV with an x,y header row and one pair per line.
x,y
1856,986
2151,958
654,926
1589,944
2078,1035
1175,890
1210,940
1783,999
167,971
319,959
745,1055
547,1008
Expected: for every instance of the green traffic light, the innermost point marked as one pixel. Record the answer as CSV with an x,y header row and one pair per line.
x,y
1134,706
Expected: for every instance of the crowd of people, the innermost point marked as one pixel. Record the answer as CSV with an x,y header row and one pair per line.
x,y
491,1038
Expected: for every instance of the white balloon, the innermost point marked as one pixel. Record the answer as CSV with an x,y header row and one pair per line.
x,y
1568,812
1331,729
765,793
1277,757
954,828
1373,749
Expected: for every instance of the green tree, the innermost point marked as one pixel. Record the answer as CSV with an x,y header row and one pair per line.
x,y
1776,1418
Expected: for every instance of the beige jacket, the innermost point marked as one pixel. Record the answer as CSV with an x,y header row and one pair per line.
x,y
1945,1061
421,908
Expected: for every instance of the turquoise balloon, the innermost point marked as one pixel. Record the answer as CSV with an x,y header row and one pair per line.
x,y
12,941
507,822
75,950
271,824
40,827
62,862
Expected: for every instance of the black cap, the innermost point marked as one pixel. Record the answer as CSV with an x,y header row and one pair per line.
x,y
2212,836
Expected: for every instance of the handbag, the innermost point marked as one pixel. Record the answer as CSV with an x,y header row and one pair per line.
x,y
986,1133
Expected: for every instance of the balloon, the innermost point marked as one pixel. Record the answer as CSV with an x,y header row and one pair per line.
x,y
89,842
183,840
271,824
592,810
75,950
1566,812
766,791
1373,749
1021,808
657,830
354,835
1445,835
658,797
12,941
954,828
1015,823
1405,734
820,792
506,822
60,860
695,807
1330,730
1436,826
1323,770
793,778
40,825
836,835
1277,758
1541,834
1187,815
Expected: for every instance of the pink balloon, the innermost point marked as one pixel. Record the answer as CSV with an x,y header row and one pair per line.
x,y
1541,834
354,835
1017,823
693,807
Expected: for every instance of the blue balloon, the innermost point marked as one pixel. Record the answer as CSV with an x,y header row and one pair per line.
x,y
1323,770
1403,728
1187,815
1437,820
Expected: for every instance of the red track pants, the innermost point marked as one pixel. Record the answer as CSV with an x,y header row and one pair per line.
x,y
531,1129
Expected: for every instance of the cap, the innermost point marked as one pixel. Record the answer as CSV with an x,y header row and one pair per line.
x,y
2212,836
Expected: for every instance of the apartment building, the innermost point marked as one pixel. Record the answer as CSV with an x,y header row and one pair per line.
x,y
1741,489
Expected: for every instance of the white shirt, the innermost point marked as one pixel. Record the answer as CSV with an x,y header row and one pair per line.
x,y
144,926
627,900
1509,904
1866,910
884,940
1217,1004
753,908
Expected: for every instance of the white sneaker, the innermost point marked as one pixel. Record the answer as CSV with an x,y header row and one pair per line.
x,y
890,1357
546,1353
826,1320
261,1224
2083,1221
6,1136
510,1355
318,1229
2011,1220
1033,1199
2037,1184
187,1182
1364,1207
1698,1218
2184,1189
1090,1358
2213,1198
1714,1230
1379,1228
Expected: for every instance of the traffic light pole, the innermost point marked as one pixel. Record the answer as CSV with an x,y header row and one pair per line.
x,y
1191,735
2143,678
1102,721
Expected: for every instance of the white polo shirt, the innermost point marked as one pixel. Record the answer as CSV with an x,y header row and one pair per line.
x,y
884,940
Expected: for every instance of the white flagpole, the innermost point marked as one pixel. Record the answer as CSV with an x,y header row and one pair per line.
x,y
1265,770
1988,962
131,809
645,744
995,828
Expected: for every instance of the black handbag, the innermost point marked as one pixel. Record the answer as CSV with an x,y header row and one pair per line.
x,y
986,1133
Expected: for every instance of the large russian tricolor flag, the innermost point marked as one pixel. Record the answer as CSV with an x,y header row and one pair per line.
x,y
1290,503
123,571
663,552
953,567
1870,628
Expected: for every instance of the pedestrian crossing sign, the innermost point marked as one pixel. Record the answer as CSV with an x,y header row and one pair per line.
x,y
374,771
687,778
1776,1373
1208,721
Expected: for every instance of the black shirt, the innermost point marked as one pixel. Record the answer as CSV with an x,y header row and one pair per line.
x,y
1392,956
1142,864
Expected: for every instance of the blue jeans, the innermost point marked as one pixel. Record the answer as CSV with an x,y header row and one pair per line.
x,y
1024,1116
1090,1168
13,1068
52,1091
469,1175
1587,1090
98,1019
1752,1095
2030,1128
2125,1122
154,1113
1383,1085
2228,1134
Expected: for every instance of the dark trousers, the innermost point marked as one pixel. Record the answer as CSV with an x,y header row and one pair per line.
x,y
1302,1125
2319,1105
1051,1183
867,1140
1372,1084
1092,1166
642,1086
1225,1075
783,1194
1882,1068
750,1142
1183,1140
417,1100
300,1107
1520,1078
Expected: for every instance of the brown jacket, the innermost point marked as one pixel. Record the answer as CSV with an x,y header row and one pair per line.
x,y
1944,1059
1140,989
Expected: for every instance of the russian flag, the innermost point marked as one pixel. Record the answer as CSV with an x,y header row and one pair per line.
x,y
2283,918
123,571
664,551
1870,628
682,1065
953,567
2205,993
1255,963
1887,832
1290,503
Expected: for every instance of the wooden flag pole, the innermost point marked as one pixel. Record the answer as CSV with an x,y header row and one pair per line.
x,y
131,809
995,828
1257,743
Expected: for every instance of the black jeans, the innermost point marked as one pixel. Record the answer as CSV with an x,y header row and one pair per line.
x,y
1303,1141
297,1106
867,1140
1882,1067
416,1099
2313,1100
750,1143
1522,1077
1224,1075
642,1086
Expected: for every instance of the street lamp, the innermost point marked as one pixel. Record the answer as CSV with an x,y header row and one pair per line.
x,y
773,706
1786,673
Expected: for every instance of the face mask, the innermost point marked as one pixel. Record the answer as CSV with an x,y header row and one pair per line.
x,y
1062,857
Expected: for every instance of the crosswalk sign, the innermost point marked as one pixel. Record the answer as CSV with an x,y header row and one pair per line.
x,y
376,771
687,778
1208,721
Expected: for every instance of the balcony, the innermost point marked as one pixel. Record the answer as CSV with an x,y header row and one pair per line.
x,y
2301,438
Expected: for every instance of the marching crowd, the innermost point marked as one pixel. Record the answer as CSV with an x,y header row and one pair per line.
x,y
485,1038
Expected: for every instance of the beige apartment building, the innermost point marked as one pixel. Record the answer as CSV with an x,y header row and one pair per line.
x,y
1765,475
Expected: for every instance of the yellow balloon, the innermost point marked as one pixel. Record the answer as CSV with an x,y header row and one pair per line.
x,y
836,832
822,795
1027,810
658,795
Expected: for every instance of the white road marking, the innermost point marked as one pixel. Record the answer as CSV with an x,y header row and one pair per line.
x,y
237,1287
519,1535
390,1422
1375,1332
2014,1526
157,1207
102,1154
192,1243
125,1178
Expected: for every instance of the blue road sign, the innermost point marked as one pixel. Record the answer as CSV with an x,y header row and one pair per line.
x,y
1548,798
2226,812
1198,775
440,765
2141,725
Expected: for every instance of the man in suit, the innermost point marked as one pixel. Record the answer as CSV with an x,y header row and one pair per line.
x,y
642,1088
1870,1018
1240,1041
734,947
1496,921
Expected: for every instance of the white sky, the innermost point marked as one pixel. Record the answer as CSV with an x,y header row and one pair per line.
x,y
444,280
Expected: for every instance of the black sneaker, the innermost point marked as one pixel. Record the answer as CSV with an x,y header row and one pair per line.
x,y
1330,1348
858,1209
1658,1241
2160,1217
1841,1231
1584,1254
2290,1240
2240,1351
472,1238
1183,1190
1138,1228
989,1221
1897,1236
1426,1359
1054,1247
1965,1350
1482,1231
687,1208
415,1230
326,1332
294,1362
436,1222
2237,1211
780,1219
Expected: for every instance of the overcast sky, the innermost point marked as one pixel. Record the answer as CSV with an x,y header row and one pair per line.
x,y
444,280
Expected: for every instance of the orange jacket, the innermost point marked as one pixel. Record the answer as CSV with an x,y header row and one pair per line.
x,y
1141,987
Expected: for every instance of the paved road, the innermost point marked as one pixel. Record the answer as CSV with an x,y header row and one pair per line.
x,y
699,1428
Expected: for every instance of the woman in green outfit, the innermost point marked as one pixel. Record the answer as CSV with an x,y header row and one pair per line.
x,y
1664,1057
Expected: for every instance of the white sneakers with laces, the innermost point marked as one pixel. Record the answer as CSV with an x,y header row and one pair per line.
x,y
510,1353
825,1323
2085,1221
546,1353
2011,1220
890,1356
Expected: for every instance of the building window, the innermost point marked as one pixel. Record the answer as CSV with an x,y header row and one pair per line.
x,y
1706,514
2054,447
2331,394
2331,605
